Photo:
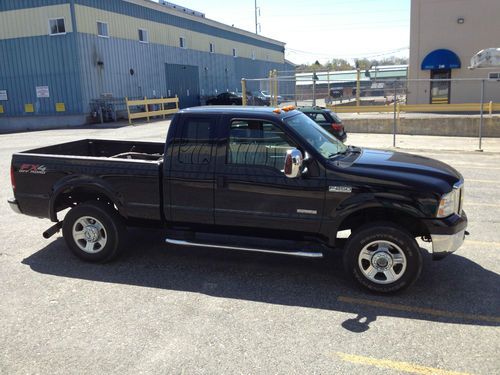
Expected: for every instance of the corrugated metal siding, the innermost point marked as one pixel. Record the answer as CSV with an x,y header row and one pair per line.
x,y
40,61
33,21
68,63
133,10
148,61
22,4
126,27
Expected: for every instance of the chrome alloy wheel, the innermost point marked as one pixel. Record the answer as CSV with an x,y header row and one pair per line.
x,y
89,234
382,262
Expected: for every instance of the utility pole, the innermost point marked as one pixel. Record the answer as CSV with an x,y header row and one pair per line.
x,y
256,22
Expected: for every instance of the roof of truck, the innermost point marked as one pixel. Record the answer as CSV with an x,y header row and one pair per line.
x,y
240,110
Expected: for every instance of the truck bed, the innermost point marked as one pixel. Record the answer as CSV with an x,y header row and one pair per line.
x,y
129,172
152,151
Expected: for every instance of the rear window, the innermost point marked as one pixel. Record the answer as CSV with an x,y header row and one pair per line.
x,y
194,141
335,118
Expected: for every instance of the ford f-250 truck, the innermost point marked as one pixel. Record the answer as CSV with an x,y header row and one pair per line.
x,y
235,178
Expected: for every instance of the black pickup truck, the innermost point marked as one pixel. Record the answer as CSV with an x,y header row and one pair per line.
x,y
250,179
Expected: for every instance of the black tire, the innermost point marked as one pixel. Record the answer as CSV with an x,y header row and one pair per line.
x,y
373,238
108,227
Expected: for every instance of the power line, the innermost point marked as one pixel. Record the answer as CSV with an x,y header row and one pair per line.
x,y
375,54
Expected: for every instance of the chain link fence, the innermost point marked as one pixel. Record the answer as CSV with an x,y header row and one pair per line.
x,y
380,103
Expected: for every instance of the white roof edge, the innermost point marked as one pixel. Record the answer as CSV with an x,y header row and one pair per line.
x,y
156,6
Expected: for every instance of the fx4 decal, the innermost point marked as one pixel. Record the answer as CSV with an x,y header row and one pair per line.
x,y
33,168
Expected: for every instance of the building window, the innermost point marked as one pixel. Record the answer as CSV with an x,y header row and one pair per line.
x,y
56,26
234,53
102,29
182,42
143,36
253,55
212,48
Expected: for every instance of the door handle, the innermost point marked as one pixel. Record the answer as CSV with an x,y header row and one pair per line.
x,y
221,182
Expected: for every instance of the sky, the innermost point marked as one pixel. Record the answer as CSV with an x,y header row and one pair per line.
x,y
320,29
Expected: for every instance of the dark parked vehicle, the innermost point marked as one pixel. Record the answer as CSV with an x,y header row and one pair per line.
x,y
226,98
328,120
266,97
250,179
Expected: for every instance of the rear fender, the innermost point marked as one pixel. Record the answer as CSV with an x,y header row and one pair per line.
x,y
89,185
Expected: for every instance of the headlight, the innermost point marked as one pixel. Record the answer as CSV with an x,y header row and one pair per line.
x,y
449,203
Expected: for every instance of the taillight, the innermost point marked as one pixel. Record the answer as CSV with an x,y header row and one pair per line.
x,y
337,127
12,178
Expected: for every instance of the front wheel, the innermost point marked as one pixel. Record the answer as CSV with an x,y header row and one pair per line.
x,y
94,231
383,258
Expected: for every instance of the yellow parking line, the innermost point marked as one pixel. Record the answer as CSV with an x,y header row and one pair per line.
x,y
482,181
474,167
420,310
482,204
486,243
396,365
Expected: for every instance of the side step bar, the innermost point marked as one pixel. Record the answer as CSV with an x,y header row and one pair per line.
x,y
292,253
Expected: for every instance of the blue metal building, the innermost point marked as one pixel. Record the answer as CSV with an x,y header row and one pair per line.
x,y
56,56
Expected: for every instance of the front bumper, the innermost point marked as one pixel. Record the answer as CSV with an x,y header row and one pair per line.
x,y
14,205
447,234
443,245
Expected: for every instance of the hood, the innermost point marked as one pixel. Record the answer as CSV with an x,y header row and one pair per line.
x,y
405,170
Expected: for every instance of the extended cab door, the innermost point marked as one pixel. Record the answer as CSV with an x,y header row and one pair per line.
x,y
189,170
251,189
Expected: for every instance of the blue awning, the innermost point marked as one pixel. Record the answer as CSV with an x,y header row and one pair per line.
x,y
441,59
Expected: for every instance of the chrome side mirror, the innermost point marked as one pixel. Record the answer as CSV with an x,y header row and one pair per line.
x,y
293,163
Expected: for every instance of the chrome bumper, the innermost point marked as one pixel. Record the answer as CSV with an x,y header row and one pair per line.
x,y
443,245
14,205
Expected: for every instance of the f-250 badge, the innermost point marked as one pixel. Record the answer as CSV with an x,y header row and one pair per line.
x,y
33,168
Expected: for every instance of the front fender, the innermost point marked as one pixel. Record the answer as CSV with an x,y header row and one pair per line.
x,y
382,206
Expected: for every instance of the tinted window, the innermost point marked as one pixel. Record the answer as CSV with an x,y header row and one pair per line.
x,y
194,141
321,118
257,143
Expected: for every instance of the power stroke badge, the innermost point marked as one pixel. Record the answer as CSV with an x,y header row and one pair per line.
x,y
340,189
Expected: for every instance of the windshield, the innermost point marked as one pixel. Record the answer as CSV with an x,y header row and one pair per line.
x,y
325,143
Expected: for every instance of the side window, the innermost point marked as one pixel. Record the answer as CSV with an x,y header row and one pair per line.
x,y
312,116
194,143
258,143
321,118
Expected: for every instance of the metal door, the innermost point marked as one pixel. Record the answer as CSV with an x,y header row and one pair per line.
x,y
183,81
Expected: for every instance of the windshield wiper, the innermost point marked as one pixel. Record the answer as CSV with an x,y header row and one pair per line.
x,y
349,149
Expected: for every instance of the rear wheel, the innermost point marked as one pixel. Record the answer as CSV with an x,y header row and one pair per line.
x,y
383,257
94,231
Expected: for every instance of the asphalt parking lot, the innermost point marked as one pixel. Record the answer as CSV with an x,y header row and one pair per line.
x,y
161,309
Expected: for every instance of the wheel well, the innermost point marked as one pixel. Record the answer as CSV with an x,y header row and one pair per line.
x,y
411,223
74,196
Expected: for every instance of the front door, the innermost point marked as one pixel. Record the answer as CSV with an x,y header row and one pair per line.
x,y
251,189
440,90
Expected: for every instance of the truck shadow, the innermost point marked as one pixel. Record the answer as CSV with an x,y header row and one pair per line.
x,y
455,290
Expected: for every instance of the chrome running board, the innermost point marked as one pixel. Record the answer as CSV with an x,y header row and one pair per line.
x,y
292,253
